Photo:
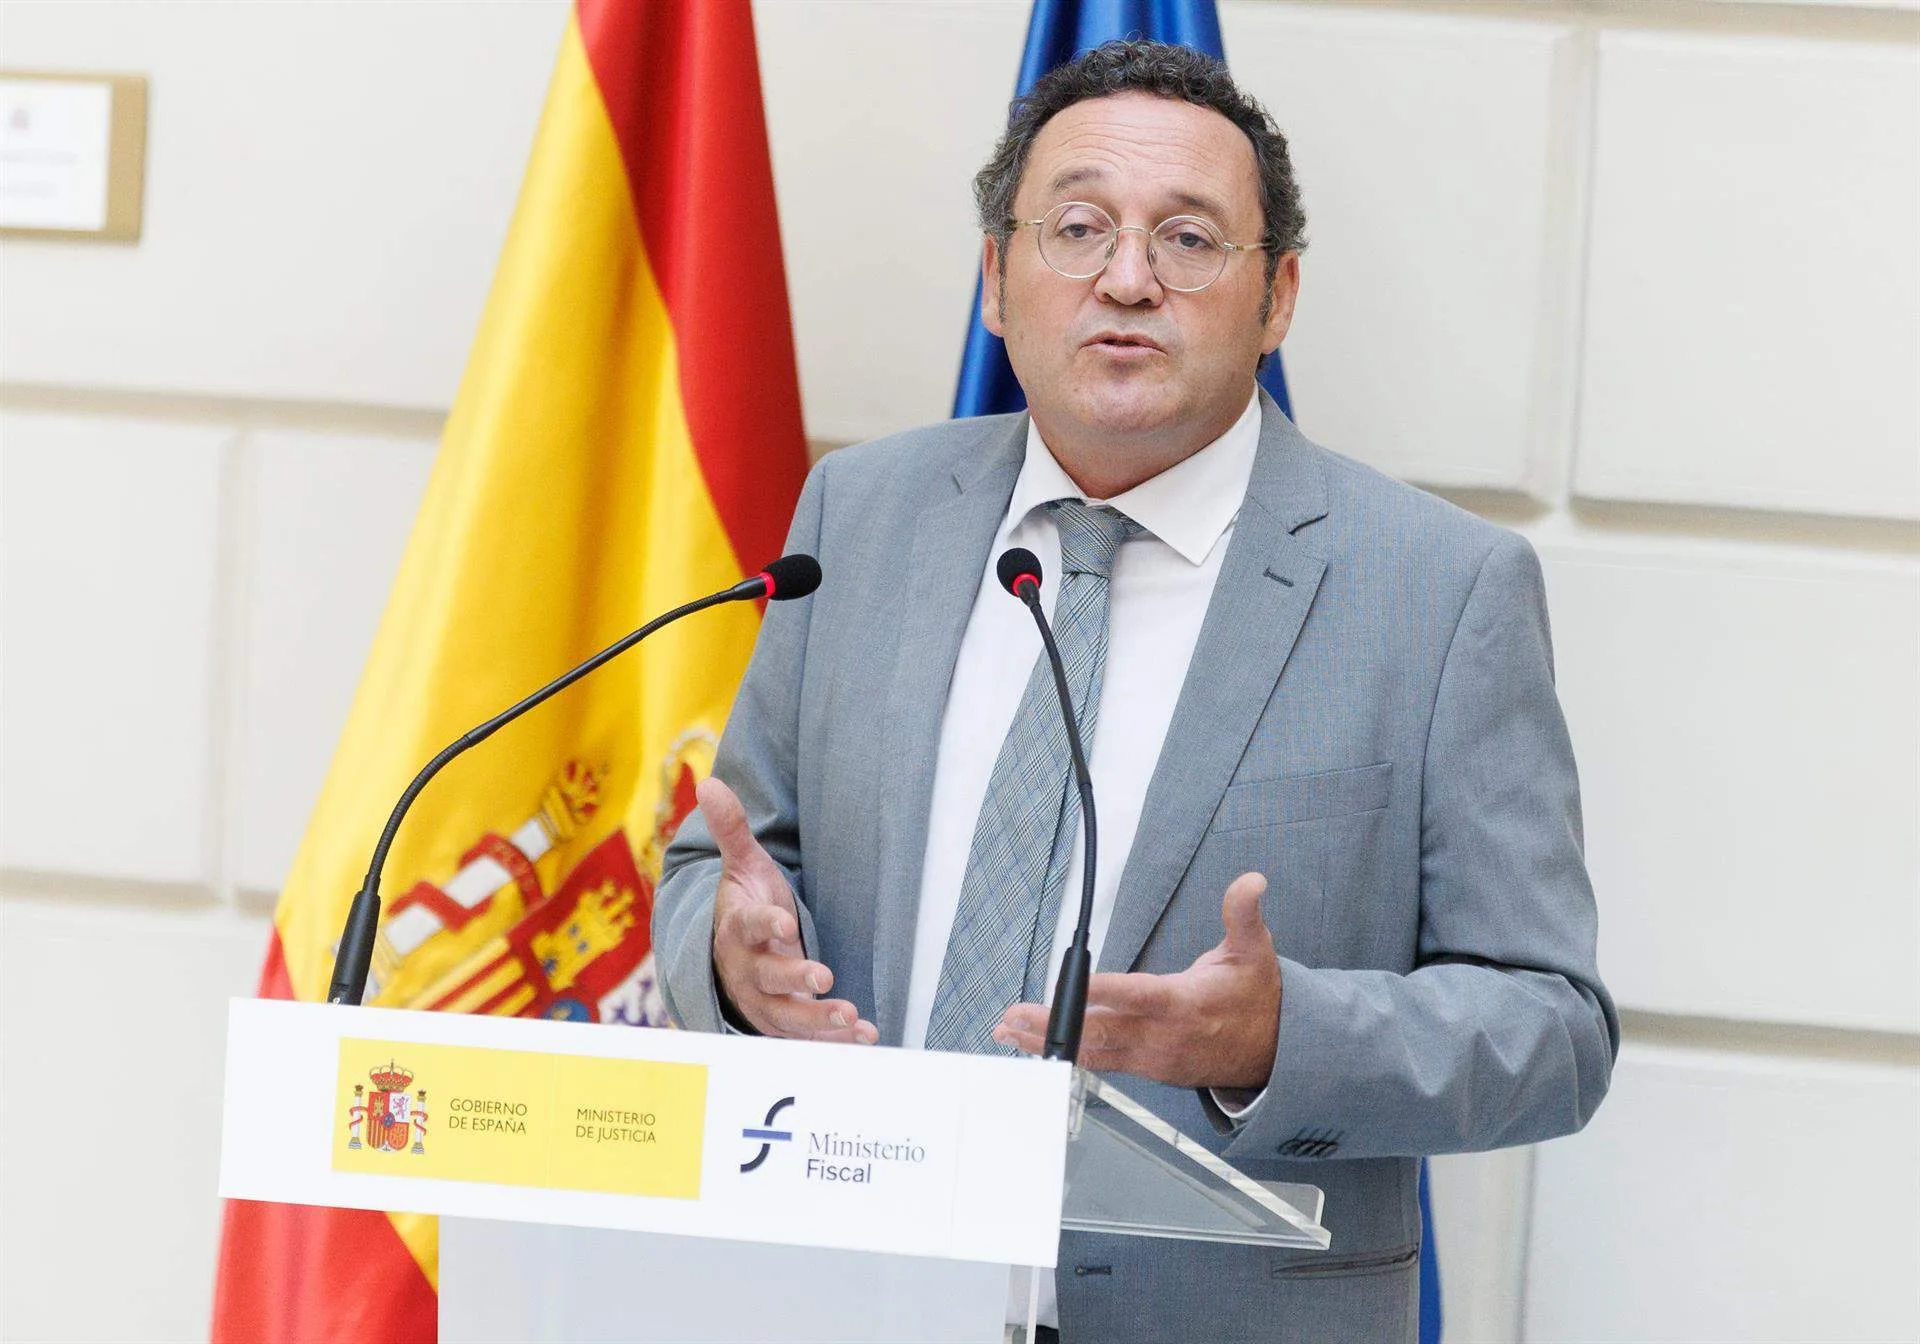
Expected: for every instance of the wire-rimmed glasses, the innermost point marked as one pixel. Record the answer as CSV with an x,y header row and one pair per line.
x,y
1186,253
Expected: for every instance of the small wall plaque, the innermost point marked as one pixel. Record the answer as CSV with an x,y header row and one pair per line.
x,y
73,154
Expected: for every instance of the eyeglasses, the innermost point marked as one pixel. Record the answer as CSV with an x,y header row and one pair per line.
x,y
1185,253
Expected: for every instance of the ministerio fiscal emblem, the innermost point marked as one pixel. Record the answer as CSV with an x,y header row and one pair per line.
x,y
392,1120
766,1135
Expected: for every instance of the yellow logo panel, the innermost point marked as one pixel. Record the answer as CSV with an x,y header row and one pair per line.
x,y
509,1117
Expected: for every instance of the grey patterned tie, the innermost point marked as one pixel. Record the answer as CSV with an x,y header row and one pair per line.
x,y
1002,940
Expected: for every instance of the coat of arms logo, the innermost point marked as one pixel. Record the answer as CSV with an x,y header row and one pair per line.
x,y
393,1120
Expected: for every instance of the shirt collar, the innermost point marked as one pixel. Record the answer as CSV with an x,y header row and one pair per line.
x,y
1189,506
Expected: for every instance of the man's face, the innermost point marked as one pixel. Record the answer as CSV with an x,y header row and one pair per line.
x,y
1120,361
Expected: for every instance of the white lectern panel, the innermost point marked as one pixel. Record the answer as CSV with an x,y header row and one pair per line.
x,y
508,1283
851,1147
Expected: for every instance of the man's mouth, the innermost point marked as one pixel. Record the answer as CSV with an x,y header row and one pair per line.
x,y
1120,340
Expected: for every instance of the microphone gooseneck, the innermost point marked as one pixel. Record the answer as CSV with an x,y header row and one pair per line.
x,y
1018,570
788,577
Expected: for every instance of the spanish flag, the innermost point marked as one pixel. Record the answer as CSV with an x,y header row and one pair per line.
x,y
627,436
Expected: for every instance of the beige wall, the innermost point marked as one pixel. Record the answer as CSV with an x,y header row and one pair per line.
x,y
1636,277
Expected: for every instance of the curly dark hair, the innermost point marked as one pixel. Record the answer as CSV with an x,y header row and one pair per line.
x,y
1166,71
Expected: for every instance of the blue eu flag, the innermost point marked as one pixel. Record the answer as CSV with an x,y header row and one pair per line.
x,y
1059,31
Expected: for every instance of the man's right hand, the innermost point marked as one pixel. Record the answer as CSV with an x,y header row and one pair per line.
x,y
758,962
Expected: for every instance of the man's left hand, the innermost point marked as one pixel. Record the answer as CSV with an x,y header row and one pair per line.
x,y
1215,1024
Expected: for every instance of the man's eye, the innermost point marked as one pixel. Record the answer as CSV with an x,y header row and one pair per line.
x,y
1079,232
1190,240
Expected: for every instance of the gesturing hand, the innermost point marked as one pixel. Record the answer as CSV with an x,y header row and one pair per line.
x,y
761,968
1215,1024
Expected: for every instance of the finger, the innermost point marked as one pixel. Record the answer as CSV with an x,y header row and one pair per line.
x,y
1111,1042
1096,1059
1240,911
1029,1042
1030,1018
862,1032
1108,1035
758,925
727,823
740,928
773,973
1133,992
1105,1037
1023,1026
808,1019
1114,1043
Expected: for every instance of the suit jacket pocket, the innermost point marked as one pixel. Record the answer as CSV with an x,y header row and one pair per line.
x,y
1329,793
1319,1264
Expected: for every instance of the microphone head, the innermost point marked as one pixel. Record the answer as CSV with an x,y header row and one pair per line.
x,y
791,576
1017,567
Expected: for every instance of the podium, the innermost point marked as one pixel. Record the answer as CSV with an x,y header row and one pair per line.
x,y
626,1183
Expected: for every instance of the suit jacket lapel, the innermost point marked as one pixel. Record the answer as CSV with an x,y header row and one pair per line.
x,y
951,537
1260,601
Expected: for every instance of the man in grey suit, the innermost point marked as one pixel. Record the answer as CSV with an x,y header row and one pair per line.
x,y
1342,914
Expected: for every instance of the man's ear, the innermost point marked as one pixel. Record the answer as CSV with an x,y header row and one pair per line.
x,y
1280,300
991,286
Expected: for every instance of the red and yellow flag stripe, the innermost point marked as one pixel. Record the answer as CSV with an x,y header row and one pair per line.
x,y
627,435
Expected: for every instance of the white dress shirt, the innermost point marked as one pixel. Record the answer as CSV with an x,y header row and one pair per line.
x,y
1161,584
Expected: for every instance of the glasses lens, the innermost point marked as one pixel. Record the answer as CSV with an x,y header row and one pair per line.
x,y
1075,238
1188,253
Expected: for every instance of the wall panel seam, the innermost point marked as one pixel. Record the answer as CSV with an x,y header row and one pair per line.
x,y
1777,1039
184,407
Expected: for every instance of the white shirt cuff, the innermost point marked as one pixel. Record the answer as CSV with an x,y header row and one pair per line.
x,y
1236,1102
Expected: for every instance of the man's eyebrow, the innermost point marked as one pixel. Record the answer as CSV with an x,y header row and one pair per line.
x,y
1073,177
1199,205
1184,202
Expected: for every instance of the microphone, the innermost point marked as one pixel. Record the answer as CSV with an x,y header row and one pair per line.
x,y
1019,573
789,577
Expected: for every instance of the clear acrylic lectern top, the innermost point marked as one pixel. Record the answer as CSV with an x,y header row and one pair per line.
x,y
1131,1173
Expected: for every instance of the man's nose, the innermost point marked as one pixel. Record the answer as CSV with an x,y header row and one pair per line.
x,y
1129,276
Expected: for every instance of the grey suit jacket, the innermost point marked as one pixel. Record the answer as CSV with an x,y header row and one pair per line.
x,y
1369,719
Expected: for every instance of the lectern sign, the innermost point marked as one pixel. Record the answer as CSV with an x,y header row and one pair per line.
x,y
851,1147
513,1117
